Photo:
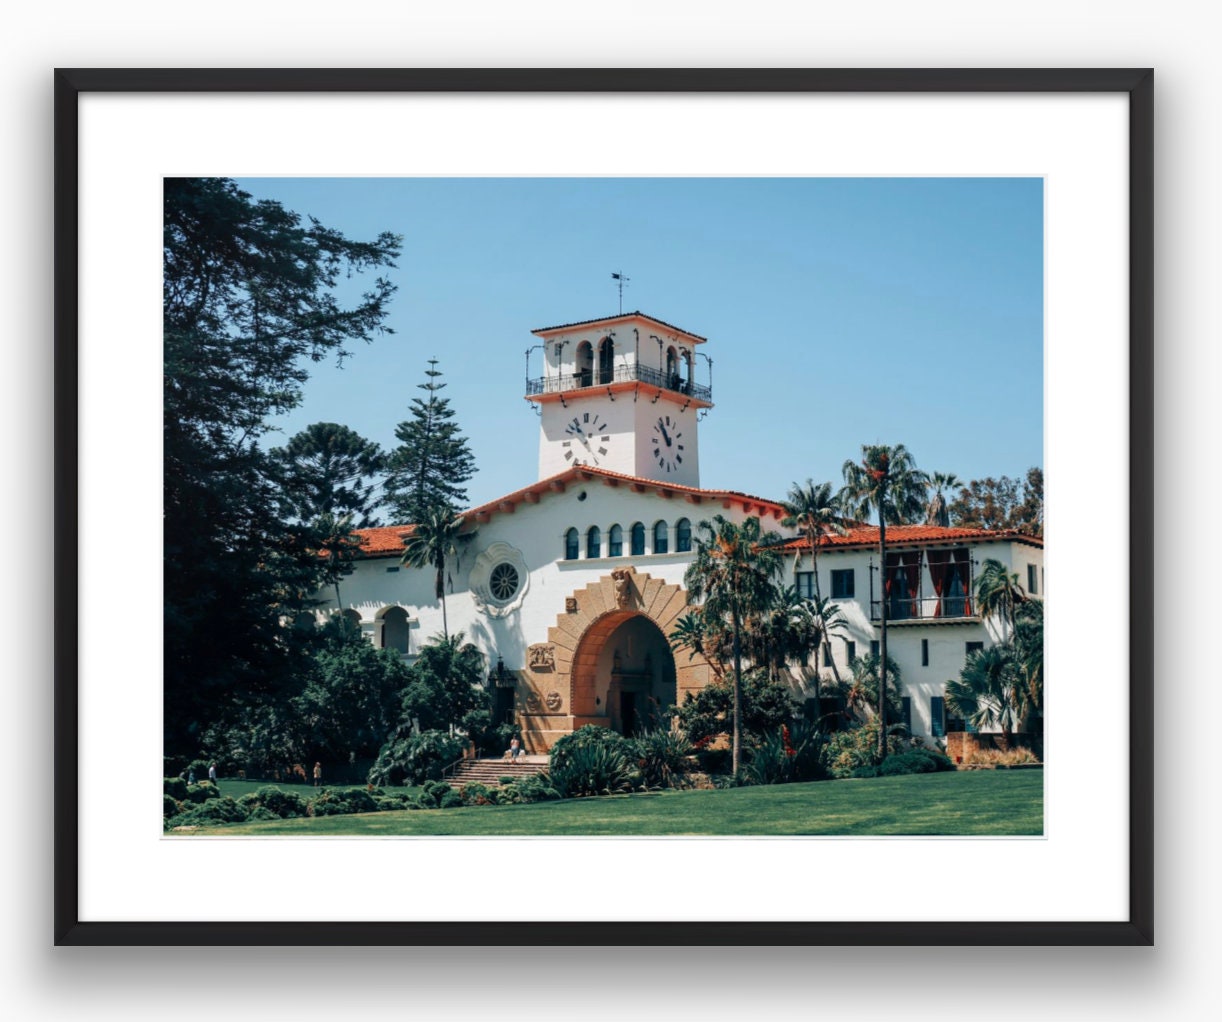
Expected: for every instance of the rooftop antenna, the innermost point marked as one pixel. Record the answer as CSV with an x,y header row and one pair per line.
x,y
621,279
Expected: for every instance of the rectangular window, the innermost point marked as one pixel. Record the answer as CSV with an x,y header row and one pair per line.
x,y
906,713
843,584
392,570
1032,579
805,582
850,651
874,647
937,716
924,652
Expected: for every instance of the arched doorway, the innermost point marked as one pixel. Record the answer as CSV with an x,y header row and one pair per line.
x,y
624,671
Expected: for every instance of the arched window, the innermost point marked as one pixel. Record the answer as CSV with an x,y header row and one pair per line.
x,y
606,360
683,536
395,629
638,539
594,542
585,364
572,543
672,368
352,620
615,542
661,535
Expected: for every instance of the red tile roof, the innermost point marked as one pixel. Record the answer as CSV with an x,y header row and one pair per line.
x,y
899,535
387,540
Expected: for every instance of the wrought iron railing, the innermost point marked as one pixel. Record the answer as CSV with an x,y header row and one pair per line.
x,y
922,608
631,373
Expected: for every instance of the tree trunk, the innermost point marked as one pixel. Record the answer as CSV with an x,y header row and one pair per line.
x,y
882,664
735,740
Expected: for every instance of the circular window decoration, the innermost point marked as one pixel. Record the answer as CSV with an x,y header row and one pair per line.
x,y
504,581
499,579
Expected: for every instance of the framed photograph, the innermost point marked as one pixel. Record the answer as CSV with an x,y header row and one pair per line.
x,y
927,288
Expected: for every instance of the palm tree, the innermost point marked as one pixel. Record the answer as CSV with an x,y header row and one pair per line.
x,y
937,511
432,543
813,509
1028,643
987,692
733,571
886,482
998,593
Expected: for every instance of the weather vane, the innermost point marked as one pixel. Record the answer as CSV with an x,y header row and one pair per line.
x,y
621,279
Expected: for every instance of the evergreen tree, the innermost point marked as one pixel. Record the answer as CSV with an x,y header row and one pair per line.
x,y
432,462
248,302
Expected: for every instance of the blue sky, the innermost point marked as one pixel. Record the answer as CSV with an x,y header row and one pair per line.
x,y
838,312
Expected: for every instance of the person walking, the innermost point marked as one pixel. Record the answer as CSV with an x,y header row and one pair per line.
x,y
317,775
212,774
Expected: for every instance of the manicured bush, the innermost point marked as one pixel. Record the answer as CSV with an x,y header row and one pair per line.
x,y
390,803
476,794
202,792
851,749
998,757
261,813
281,804
214,812
535,788
168,806
450,800
175,787
911,761
342,802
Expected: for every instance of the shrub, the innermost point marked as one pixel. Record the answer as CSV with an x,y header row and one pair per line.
x,y
536,788
476,794
214,812
594,769
342,802
414,758
281,804
201,792
916,760
1004,758
175,787
847,751
390,803
261,813
450,800
168,806
791,753
662,757
507,779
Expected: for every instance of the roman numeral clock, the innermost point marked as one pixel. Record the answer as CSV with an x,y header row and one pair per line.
x,y
668,443
620,394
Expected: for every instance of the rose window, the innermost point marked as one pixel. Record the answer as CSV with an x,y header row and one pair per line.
x,y
504,582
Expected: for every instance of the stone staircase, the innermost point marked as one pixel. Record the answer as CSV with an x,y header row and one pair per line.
x,y
490,771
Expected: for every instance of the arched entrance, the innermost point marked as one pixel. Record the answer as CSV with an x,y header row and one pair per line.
x,y
574,679
623,670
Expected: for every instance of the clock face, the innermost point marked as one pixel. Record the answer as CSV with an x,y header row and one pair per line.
x,y
591,440
667,443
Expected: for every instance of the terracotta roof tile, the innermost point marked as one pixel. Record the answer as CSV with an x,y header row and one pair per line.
x,y
867,535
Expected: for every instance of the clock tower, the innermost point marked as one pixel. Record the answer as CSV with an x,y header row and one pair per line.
x,y
620,394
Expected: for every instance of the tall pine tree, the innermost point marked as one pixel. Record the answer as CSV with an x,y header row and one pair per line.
x,y
432,462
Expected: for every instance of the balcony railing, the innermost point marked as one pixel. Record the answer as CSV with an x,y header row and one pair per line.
x,y
923,608
562,382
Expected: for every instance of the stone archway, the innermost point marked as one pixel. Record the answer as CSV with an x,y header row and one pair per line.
x,y
569,678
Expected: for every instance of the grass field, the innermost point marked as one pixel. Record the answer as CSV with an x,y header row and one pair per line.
x,y
978,802
236,789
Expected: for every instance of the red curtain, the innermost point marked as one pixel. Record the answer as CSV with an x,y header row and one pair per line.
x,y
939,570
963,568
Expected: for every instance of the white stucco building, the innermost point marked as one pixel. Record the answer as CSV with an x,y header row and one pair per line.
x,y
573,582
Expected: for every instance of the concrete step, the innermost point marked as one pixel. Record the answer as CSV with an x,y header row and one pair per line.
x,y
490,771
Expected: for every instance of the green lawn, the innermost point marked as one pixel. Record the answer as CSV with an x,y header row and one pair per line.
x,y
977,802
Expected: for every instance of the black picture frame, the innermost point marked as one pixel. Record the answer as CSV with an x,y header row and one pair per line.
x,y
71,84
